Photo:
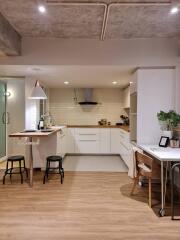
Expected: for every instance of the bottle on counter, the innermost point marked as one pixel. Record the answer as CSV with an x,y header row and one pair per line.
x,y
41,124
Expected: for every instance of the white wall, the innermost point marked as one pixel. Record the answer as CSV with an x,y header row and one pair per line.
x,y
65,111
136,52
32,106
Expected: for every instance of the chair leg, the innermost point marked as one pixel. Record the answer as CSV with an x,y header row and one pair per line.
x,y
20,169
150,190
172,193
25,169
60,171
46,173
11,171
5,172
136,179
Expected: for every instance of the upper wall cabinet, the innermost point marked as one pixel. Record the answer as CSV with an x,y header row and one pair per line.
x,y
126,97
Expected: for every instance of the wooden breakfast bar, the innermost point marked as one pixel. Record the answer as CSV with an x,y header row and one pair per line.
x,y
33,138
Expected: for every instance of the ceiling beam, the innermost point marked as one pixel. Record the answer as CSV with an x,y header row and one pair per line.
x,y
10,40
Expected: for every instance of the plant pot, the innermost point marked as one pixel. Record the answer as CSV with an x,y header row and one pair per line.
x,y
168,134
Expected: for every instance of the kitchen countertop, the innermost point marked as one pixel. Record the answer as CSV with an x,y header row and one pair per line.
x,y
124,127
37,133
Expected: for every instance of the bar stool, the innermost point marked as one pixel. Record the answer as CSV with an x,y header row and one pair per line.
x,y
173,168
49,169
21,168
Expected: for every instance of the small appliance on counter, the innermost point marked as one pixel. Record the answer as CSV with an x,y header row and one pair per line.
x,y
124,120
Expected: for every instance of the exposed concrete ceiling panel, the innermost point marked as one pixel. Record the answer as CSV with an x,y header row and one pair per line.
x,y
59,21
142,22
10,40
86,21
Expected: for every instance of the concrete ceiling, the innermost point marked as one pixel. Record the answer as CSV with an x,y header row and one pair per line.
x,y
77,76
86,21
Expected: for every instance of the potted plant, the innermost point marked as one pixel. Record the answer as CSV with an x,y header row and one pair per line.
x,y
168,120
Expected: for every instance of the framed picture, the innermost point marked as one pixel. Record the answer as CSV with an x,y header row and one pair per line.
x,y
164,141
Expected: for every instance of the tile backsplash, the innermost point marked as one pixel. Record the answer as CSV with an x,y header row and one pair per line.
x,y
65,109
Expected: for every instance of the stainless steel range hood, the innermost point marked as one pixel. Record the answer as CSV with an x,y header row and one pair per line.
x,y
88,97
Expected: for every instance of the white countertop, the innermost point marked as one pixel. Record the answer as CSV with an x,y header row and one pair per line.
x,y
161,153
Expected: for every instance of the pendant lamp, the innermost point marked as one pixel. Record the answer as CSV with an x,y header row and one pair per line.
x,y
38,92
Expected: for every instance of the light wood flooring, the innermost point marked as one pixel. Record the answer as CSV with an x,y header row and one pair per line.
x,y
88,206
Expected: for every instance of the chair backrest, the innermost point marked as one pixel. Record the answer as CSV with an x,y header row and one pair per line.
x,y
143,159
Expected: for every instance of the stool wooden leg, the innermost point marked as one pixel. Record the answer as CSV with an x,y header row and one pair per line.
x,y
150,197
136,179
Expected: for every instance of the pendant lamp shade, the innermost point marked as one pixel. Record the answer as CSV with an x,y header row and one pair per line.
x,y
38,92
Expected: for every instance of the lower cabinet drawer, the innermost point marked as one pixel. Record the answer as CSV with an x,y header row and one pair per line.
x,y
87,146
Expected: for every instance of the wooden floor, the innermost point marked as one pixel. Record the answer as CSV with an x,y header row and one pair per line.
x,y
88,206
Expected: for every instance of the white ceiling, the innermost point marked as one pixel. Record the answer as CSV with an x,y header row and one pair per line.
x,y
77,76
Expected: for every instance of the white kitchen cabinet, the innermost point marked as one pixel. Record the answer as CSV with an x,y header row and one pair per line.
x,y
115,141
70,139
151,92
61,142
126,97
87,140
120,144
105,140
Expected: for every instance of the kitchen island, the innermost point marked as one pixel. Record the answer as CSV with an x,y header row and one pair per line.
x,y
40,145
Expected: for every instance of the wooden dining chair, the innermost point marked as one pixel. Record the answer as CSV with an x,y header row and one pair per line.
x,y
144,166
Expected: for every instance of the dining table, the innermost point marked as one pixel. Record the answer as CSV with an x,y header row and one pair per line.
x,y
164,155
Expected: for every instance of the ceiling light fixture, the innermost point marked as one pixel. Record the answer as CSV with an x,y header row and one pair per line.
x,y
174,10
38,92
114,82
41,9
66,83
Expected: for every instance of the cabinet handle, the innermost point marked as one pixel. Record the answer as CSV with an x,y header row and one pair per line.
x,y
86,140
4,118
88,134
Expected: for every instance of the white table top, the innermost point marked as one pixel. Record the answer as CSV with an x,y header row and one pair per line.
x,y
161,153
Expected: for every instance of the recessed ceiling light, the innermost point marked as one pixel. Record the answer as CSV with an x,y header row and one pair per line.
x,y
42,9
174,10
131,82
66,83
114,82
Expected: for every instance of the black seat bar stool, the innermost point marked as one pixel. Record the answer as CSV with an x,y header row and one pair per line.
x,y
9,170
50,170
173,168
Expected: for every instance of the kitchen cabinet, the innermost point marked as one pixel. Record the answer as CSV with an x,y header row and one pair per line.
x,y
70,139
115,141
99,141
126,97
120,144
151,90
87,140
105,141
61,142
